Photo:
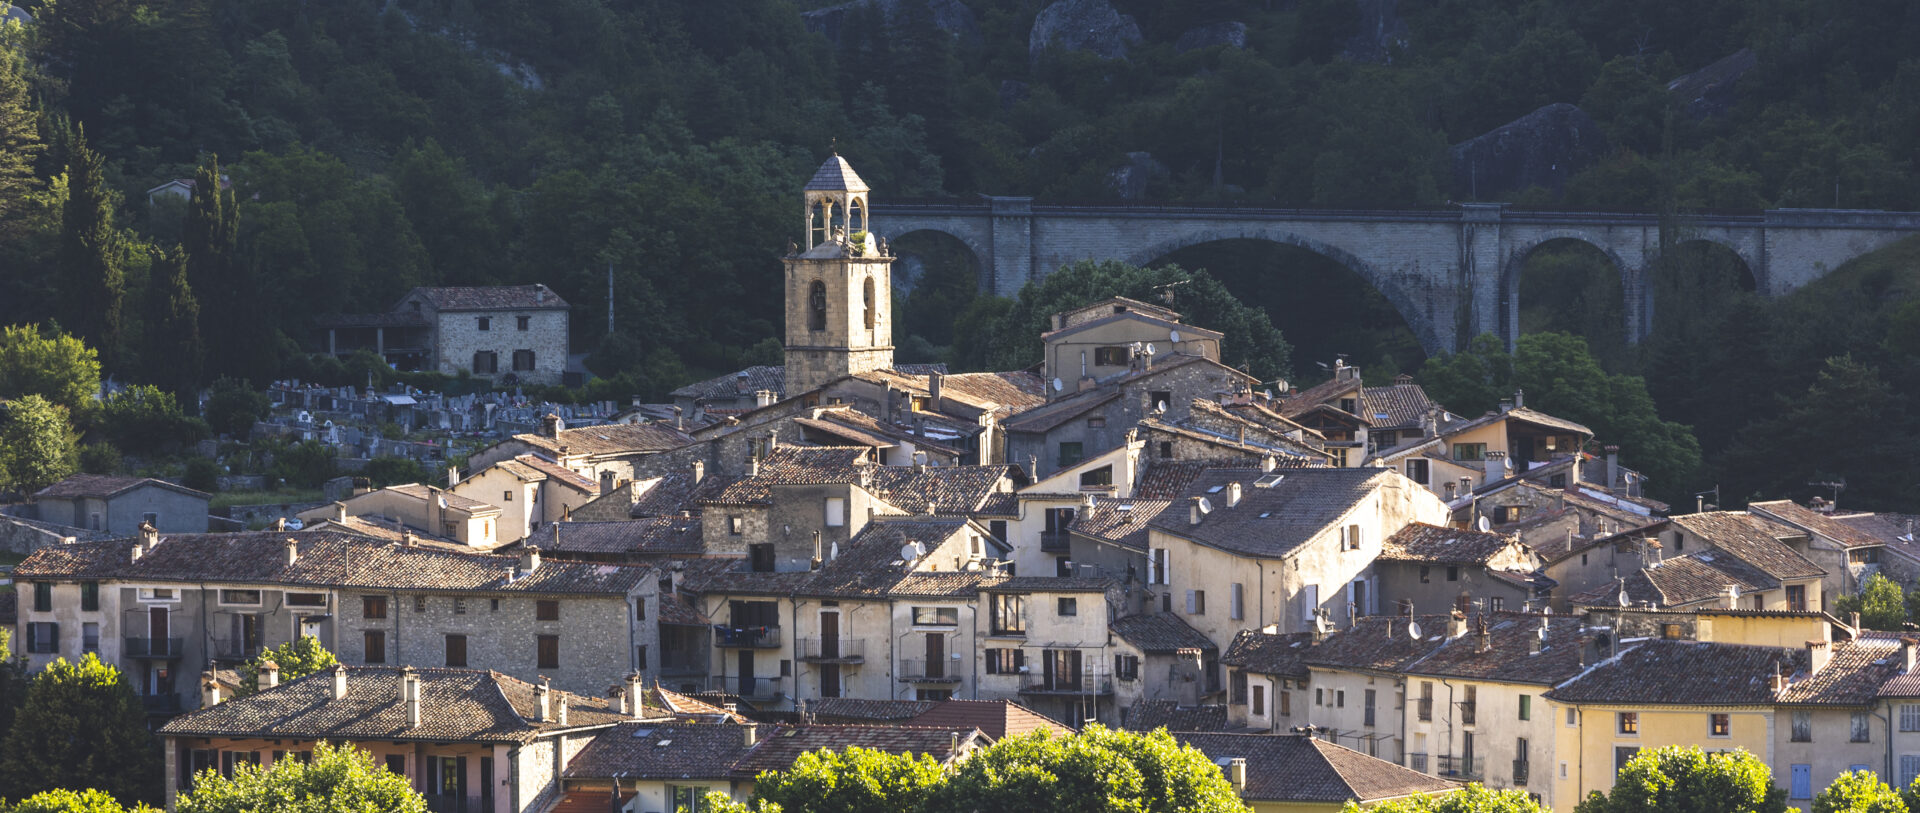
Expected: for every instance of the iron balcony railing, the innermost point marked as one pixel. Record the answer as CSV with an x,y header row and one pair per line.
x,y
929,671
153,648
1520,772
1084,683
754,688
1056,542
843,650
460,804
1462,767
1417,761
747,637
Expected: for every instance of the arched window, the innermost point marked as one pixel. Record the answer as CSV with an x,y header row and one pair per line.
x,y
817,225
868,298
817,306
856,217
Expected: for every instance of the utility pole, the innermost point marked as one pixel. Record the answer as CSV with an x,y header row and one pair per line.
x,y
609,296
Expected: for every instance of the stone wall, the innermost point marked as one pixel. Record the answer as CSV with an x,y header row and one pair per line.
x,y
459,337
24,536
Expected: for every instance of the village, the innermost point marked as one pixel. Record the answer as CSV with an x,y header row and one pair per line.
x,y
1338,592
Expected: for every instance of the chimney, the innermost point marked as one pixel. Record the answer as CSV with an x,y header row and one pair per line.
x,y
269,674
339,512
819,553
1233,495
410,692
1496,465
560,710
279,523
1450,488
1193,511
543,698
550,425
1519,398
749,734
1730,600
936,382
1269,463
1506,405
339,682
1613,466
149,537
1456,625
679,417
209,690
753,467
1818,653
699,471
1486,637
1237,774
1853,621
530,559
1907,651
762,398
634,703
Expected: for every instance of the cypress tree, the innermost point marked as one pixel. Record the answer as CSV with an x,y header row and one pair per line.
x,y
19,137
92,280
229,312
173,326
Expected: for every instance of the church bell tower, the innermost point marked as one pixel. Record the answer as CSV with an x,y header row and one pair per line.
x,y
839,286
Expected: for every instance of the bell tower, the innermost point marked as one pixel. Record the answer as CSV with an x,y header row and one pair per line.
x,y
839,286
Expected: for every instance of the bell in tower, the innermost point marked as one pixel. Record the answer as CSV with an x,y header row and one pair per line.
x,y
838,286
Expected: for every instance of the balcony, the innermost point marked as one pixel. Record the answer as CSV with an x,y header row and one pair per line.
x,y
925,671
1520,773
1462,768
747,637
756,688
161,703
167,648
233,650
460,804
1057,542
1095,684
1417,761
683,668
838,650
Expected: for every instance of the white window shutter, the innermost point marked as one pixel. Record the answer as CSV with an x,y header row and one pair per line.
x,y
1153,566
1189,602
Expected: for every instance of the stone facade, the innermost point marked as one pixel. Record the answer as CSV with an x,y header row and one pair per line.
x,y
459,338
1048,447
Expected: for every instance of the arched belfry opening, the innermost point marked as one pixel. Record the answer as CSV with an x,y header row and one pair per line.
x,y
866,302
836,203
838,287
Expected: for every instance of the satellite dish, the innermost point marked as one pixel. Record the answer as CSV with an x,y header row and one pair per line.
x,y
1206,506
1173,336
1320,624
1413,630
1057,386
1149,348
910,551
1483,524
1734,591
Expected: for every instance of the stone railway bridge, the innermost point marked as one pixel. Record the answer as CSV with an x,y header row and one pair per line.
x,y
1452,273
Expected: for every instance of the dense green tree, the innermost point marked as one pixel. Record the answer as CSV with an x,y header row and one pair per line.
x,y
81,727
174,356
50,364
93,281
295,659
233,406
338,779
1859,792
1474,798
1835,431
1685,779
143,418
231,322
70,801
1097,769
38,446
1881,603
306,464
19,138
856,780
14,680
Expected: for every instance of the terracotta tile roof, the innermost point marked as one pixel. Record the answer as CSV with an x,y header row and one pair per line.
x,y
845,433
1299,403
1852,677
851,709
1045,418
1130,315
493,297
1379,643
457,502
1396,406
1689,673
1015,391
1522,414
1269,653
1171,479
9,607
1119,522
835,175
1286,768
1801,517
1899,532
461,705
643,750
938,585
1000,504
1680,581
1420,542
1265,414
676,609
1048,584
387,529
668,494
998,719
951,489
868,566
1754,540
779,747
1508,654
810,465
1147,715
1105,306
744,383
1271,521
610,439
1289,453
106,486
558,473
325,558
1160,633
653,535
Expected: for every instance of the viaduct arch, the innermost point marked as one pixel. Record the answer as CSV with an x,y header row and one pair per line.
x,y
1452,273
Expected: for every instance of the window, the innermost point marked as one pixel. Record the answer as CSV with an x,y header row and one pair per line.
x,y
1426,574
1126,667
1453,573
935,695
546,609
306,599
486,362
1858,727
1719,725
1350,537
373,607
1286,703
1368,705
817,306
688,798
522,360
495,607
247,598
419,604
484,322
640,657
1102,476
1469,704
1797,597
866,300
459,605
1573,717
1497,603
1670,632
1005,661
760,557
1319,697
1623,754
1007,614
735,525
1909,769
1426,701
457,651
1069,607
640,609
1063,567
158,594
1417,471
397,764
936,616
1196,602
1526,707
1469,451
373,646
1340,699
1510,513
1166,450
1157,561
521,321
89,637
1160,398
1802,727
1629,722
549,651
1239,685
1259,705
43,597
1069,454
89,596
836,512
1110,356
1236,601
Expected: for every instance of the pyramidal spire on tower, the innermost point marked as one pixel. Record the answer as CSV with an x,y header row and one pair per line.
x,y
838,285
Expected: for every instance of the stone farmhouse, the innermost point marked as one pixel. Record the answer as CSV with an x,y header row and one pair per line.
x,y
513,334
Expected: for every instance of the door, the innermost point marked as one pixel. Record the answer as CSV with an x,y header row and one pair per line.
x,y
746,673
830,680
1802,782
830,635
936,655
157,630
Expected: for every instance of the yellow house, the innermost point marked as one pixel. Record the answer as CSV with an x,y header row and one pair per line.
x,y
1277,773
1830,722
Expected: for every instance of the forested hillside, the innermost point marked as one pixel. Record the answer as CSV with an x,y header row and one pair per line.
x,y
374,145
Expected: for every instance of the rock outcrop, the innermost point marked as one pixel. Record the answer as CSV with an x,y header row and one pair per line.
x,y
1130,180
1231,34
1381,32
1543,148
1094,26
1711,90
951,16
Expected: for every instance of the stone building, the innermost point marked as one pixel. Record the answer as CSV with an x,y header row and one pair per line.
x,y
119,505
513,334
1430,568
839,289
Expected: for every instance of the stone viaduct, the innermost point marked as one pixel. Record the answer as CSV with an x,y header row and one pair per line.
x,y
1452,273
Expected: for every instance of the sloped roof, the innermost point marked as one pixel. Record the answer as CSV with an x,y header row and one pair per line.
x,y
1424,543
1395,406
1680,581
1171,479
461,705
1288,768
1852,677
770,377
1148,715
854,708
643,750
558,473
835,175
998,719
1119,522
492,297
1507,652
1690,673
1754,540
784,744
1131,315
1015,391
1272,521
1269,653
610,439
1799,516
107,486
422,493
1160,633
648,536
1319,394
1379,643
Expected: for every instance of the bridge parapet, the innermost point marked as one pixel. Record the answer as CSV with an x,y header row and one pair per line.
x,y
1842,218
